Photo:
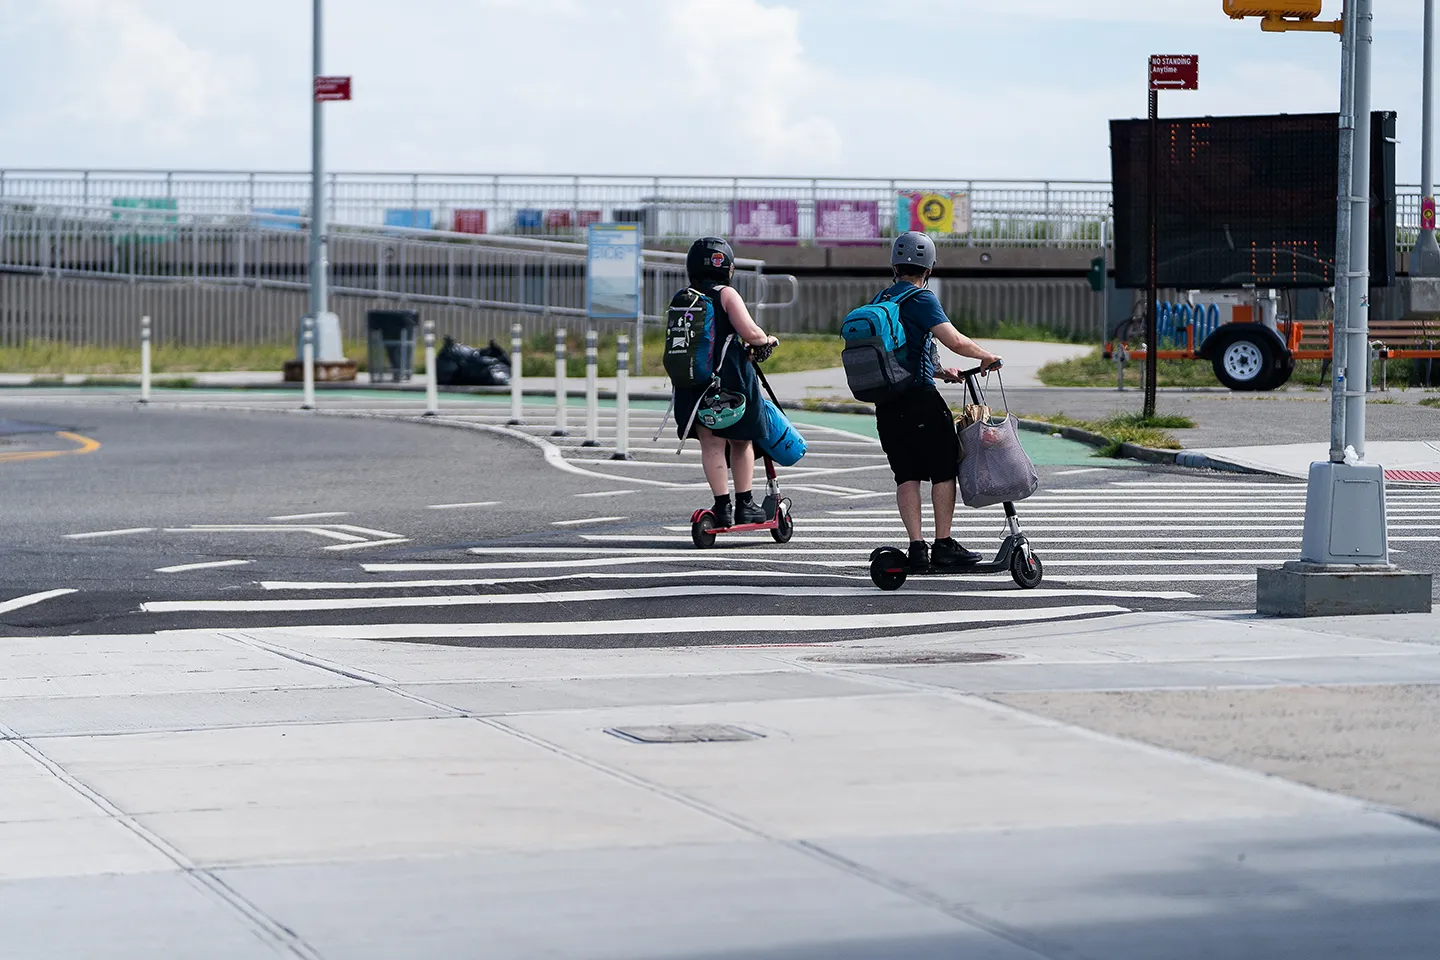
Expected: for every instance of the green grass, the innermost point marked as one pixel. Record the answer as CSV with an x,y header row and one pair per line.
x,y
796,352
45,356
1431,402
1093,370
1125,428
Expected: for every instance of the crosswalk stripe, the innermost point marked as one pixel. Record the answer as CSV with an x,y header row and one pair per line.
x,y
295,605
1038,593
842,623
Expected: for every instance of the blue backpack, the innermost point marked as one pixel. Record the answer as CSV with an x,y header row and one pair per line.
x,y
690,339
874,343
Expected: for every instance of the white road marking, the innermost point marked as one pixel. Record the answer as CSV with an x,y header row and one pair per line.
x,y
368,543
460,506
107,533
207,565
364,530
30,599
683,625
264,528
1004,588
576,523
1039,544
1071,473
606,493
311,516
298,605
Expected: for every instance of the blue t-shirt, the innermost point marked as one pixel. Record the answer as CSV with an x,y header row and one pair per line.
x,y
920,314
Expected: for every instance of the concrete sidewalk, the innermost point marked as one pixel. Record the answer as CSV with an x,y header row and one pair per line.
x,y
1021,792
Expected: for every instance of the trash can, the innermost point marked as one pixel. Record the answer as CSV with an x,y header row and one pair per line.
x,y
391,335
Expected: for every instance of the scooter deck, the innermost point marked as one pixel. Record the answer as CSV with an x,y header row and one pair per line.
x,y
950,570
747,527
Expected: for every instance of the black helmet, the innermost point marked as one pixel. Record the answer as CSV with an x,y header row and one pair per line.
x,y
710,258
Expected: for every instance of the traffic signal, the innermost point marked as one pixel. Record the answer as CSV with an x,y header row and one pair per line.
x,y
1299,9
1278,16
1097,274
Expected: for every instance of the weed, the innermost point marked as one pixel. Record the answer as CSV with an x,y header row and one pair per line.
x,y
48,356
1431,402
1125,428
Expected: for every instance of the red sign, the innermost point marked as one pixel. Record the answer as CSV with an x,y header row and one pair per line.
x,y
468,221
1427,213
332,88
1175,72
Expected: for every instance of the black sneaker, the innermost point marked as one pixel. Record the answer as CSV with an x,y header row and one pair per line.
x,y
748,511
948,553
724,515
919,555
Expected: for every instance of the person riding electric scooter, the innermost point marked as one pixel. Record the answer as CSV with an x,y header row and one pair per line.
x,y
917,429
711,266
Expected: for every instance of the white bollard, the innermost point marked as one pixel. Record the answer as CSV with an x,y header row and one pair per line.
x,y
307,360
144,359
517,373
561,386
592,390
432,382
622,400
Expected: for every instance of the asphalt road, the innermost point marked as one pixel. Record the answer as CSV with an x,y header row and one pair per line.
x,y
196,514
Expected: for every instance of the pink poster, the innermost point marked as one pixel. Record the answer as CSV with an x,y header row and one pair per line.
x,y
847,221
765,221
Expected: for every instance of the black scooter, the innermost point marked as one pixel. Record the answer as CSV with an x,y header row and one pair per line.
x,y
890,566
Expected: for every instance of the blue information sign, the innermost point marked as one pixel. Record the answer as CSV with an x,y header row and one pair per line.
x,y
612,274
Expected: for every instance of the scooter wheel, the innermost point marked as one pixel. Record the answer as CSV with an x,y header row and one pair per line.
x,y
1028,571
702,531
784,524
887,571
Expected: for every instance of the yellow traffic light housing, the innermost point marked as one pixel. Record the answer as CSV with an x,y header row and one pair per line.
x,y
1278,16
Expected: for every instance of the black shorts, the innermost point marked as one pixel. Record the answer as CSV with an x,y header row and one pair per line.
x,y
917,433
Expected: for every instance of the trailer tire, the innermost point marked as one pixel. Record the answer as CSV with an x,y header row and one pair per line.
x,y
1246,362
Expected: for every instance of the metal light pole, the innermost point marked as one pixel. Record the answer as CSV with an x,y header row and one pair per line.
x,y
1357,275
1345,515
1425,260
318,253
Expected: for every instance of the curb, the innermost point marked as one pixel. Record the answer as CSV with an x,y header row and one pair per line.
x,y
1133,451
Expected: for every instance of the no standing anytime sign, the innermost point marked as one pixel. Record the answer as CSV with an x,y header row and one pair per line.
x,y
1171,72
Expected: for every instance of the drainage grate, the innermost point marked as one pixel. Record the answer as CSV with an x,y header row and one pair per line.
x,y
683,733
892,658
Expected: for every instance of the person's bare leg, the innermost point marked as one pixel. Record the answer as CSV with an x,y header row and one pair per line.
x,y
712,460
907,498
942,495
742,464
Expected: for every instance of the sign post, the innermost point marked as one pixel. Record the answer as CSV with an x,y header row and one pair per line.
x,y
1166,73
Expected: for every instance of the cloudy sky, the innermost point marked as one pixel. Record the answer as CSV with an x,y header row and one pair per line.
x,y
944,88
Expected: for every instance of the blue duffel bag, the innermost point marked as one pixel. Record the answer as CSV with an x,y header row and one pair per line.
x,y
782,442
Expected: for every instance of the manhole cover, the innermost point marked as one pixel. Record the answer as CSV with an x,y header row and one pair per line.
x,y
887,657
683,733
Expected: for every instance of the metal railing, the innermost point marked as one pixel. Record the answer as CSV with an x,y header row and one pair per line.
x,y
1058,213
93,261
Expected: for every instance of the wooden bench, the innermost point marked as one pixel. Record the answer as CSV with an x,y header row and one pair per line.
x,y
1403,340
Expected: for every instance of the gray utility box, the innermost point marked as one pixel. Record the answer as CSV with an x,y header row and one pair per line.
x,y
391,336
1345,519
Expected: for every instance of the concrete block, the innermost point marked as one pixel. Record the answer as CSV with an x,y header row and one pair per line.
x,y
1300,589
1422,298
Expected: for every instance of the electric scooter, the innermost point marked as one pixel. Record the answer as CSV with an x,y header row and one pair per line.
x,y
777,508
890,566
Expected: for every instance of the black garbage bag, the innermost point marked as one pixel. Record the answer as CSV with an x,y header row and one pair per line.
x,y
461,365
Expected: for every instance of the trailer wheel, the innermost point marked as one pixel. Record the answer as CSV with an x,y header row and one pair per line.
x,y
1247,362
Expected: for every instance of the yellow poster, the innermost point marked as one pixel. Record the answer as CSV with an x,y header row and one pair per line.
x,y
936,213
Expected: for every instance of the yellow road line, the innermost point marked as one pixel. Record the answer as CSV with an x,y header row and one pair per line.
x,y
86,445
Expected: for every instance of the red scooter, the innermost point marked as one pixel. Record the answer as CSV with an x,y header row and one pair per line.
x,y
777,516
